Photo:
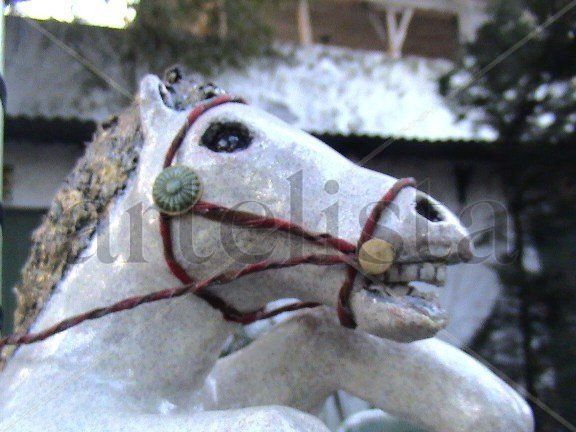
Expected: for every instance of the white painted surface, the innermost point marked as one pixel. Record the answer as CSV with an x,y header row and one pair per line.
x,y
471,289
338,90
101,375
37,171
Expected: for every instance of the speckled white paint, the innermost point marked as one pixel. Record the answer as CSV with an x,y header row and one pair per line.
x,y
429,383
146,369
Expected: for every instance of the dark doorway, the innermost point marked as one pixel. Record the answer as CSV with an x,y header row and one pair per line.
x,y
18,227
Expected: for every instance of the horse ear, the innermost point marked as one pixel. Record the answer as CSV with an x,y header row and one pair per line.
x,y
157,119
151,89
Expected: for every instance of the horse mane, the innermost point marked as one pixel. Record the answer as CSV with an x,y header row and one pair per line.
x,y
88,193
81,202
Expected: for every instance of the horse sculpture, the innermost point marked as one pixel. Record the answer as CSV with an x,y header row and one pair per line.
x,y
156,367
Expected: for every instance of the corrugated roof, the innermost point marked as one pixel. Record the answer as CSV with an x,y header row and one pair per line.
x,y
318,88
77,132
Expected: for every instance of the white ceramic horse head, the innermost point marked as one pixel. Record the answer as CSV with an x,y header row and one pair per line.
x,y
288,174
149,368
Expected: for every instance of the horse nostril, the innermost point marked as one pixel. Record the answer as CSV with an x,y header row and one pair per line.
x,y
428,210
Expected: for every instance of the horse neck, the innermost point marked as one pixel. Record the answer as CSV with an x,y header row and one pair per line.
x,y
155,350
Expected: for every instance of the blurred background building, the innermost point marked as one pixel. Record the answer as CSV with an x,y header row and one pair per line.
x,y
363,76
356,74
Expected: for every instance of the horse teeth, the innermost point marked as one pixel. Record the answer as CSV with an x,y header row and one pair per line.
x,y
440,250
402,273
427,272
393,274
400,290
441,275
410,273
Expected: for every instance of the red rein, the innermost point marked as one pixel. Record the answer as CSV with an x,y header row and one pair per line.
x,y
346,256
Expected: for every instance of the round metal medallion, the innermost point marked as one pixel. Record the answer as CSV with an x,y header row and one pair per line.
x,y
176,190
376,256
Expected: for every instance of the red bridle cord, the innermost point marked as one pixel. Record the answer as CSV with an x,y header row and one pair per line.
x,y
346,256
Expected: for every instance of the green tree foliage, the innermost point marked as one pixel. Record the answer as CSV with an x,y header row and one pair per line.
x,y
528,99
204,35
534,80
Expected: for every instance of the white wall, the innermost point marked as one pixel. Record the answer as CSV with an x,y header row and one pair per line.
x,y
37,171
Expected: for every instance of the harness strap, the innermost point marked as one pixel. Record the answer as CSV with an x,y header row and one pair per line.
x,y
235,217
165,226
346,256
344,311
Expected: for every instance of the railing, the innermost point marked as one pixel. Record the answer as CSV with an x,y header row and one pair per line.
x,y
448,6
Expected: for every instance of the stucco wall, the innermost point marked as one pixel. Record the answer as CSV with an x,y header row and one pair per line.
x,y
36,171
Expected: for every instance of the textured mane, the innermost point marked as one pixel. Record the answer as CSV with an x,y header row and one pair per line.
x,y
87,194
82,201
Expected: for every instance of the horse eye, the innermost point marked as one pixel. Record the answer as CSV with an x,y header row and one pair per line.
x,y
226,137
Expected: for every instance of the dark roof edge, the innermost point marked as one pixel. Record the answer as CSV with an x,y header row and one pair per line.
x,y
364,145
49,131
75,131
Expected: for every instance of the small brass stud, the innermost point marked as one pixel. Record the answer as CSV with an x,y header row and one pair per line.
x,y
176,190
376,256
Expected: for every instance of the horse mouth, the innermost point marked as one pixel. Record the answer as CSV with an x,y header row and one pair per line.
x,y
412,288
